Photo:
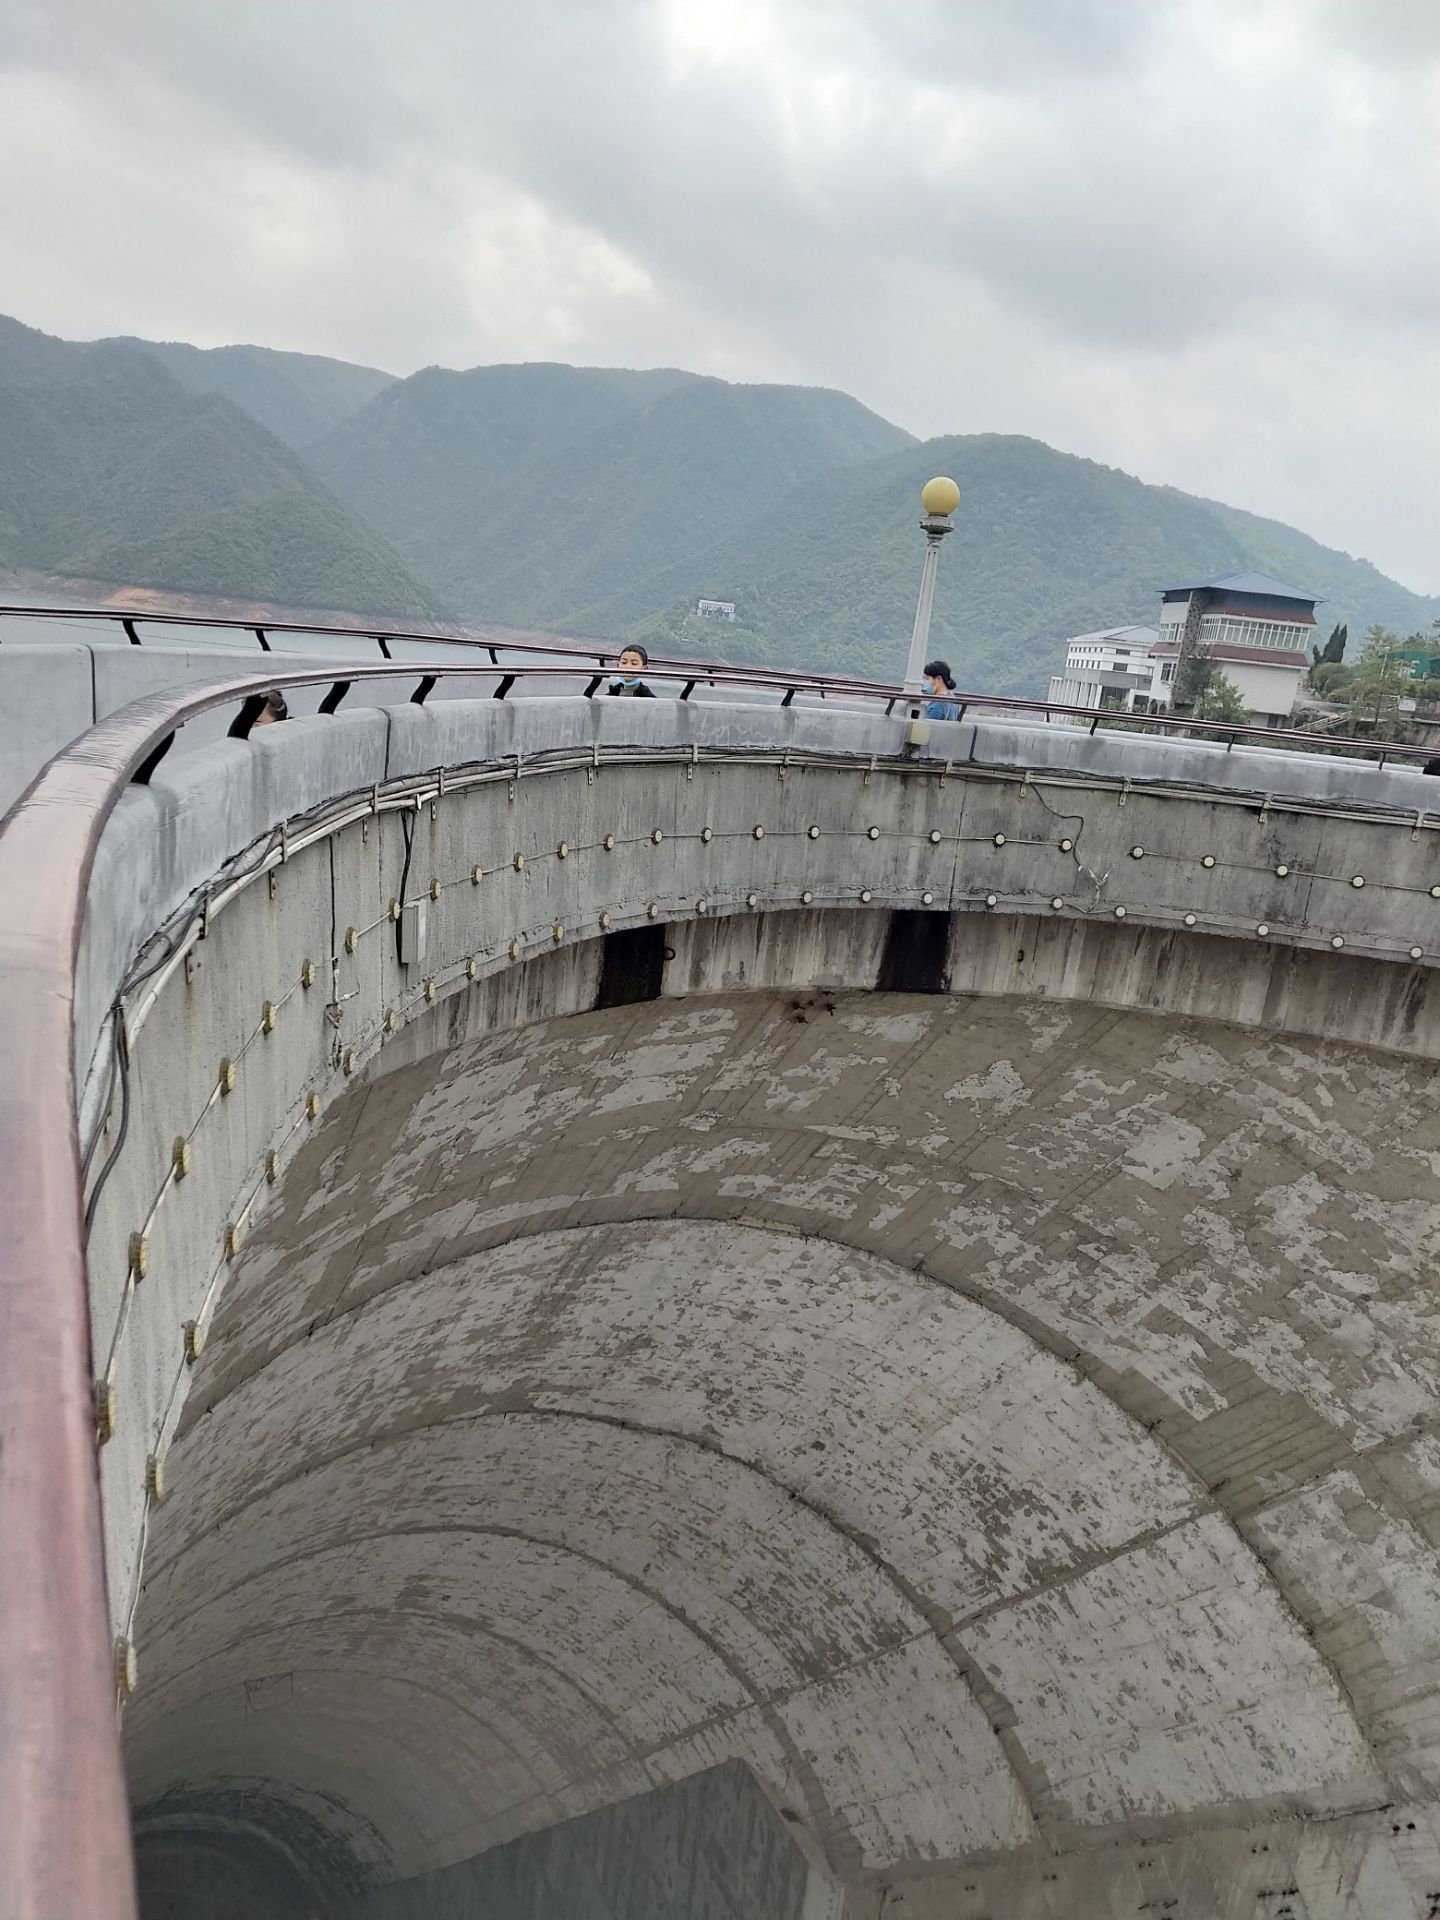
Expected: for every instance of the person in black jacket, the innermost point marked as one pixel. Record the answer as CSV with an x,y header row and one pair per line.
x,y
633,661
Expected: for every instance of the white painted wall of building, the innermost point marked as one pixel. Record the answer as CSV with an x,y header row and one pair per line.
x,y
1265,690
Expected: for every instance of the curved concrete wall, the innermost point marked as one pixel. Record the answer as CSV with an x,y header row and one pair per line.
x,y
1080,1329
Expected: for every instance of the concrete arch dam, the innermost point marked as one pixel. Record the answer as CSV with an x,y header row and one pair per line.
x,y
675,1295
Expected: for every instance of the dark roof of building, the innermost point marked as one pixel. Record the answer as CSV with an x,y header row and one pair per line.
x,y
1262,583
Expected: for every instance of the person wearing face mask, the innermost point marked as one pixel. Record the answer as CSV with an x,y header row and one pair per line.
x,y
633,661
942,704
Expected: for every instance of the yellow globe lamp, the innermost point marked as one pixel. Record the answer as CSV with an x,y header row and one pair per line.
x,y
940,496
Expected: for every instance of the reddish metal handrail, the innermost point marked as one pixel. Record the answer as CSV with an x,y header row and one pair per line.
x,y
563,649
64,1848
722,673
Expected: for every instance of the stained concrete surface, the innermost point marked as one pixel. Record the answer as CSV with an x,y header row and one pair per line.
x,y
945,1406
1001,1419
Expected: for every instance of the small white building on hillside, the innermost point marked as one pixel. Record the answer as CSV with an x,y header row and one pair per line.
x,y
1255,629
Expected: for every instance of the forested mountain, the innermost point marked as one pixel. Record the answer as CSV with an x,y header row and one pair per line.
x,y
111,470
300,397
518,491
1341,581
1045,545
602,502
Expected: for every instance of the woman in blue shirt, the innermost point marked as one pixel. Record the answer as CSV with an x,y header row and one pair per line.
x,y
941,705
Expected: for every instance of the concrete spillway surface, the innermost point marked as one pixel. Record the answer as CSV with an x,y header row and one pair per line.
x,y
999,1426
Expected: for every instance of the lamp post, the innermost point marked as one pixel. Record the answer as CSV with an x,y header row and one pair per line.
x,y
939,497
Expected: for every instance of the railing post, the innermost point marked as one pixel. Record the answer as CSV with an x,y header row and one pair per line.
x,y
251,708
142,773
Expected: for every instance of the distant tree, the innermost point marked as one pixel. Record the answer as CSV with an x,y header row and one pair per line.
x,y
1384,644
1332,653
1192,678
1221,700
1381,679
1329,678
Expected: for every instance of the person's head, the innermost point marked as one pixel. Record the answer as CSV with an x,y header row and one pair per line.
x,y
633,660
274,709
938,673
1431,766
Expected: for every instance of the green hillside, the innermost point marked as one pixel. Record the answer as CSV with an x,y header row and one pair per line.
x,y
435,459
1045,545
1344,584
300,397
28,356
110,470
64,429
292,549
605,502
520,492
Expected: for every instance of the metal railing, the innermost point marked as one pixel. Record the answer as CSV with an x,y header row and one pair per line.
x,y
64,1848
510,658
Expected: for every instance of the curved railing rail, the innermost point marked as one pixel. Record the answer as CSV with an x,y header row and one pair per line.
x,y
64,1848
518,648
514,656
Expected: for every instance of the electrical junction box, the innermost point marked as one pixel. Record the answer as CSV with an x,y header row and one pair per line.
x,y
414,922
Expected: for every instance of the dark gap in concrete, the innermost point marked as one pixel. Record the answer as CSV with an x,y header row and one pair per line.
x,y
246,1848
631,967
916,948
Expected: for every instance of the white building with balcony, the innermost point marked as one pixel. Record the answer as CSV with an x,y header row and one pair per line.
x,y
1255,628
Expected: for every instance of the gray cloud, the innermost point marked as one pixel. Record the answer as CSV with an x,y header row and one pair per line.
x,y
1192,237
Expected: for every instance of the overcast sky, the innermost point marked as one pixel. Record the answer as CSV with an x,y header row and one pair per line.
x,y
1197,241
